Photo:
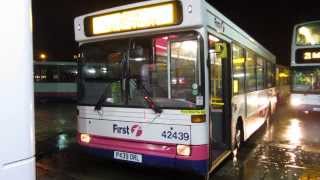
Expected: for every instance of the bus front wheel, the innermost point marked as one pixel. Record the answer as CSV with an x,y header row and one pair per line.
x,y
238,139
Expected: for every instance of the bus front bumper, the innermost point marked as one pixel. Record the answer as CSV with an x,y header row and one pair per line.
x,y
152,154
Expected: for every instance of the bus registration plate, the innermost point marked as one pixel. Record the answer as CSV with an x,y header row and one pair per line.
x,y
127,156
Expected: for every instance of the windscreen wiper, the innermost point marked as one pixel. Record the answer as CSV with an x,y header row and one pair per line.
x,y
148,99
103,97
152,105
101,100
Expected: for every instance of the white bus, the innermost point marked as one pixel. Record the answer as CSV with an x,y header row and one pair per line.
x,y
17,146
170,84
55,79
305,64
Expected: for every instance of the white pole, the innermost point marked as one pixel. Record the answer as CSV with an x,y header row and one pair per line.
x,y
16,91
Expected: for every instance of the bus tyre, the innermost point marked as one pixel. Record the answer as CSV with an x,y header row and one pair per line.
x,y
238,138
269,117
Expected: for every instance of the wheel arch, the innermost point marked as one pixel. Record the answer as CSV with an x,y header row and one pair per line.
x,y
239,122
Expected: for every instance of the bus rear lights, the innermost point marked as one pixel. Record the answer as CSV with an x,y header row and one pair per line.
x,y
85,138
198,118
183,150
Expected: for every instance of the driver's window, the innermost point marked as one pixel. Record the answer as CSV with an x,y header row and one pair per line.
x,y
183,70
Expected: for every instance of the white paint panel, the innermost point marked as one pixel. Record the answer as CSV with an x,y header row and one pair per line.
x,y
200,134
20,170
130,116
16,92
149,132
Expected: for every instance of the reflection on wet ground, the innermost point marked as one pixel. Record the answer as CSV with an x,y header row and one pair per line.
x,y
288,149
55,127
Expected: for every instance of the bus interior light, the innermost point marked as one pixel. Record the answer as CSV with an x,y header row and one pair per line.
x,y
198,118
183,150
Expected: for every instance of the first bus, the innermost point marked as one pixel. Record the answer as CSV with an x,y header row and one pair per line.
x,y
171,84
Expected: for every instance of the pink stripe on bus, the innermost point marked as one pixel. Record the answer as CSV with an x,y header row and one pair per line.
x,y
154,149
200,152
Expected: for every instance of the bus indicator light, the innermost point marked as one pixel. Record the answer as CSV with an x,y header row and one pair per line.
x,y
198,118
164,14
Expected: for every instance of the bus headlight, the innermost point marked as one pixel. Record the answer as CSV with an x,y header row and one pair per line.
x,y
183,150
85,138
295,101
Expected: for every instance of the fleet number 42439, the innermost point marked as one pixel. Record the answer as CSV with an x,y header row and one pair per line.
x,y
175,135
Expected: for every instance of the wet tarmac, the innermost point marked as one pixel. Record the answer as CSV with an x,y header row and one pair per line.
x,y
286,148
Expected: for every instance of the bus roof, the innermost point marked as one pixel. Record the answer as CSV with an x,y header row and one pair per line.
x,y
202,14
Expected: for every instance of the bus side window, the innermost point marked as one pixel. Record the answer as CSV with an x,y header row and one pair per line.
x,y
260,73
251,80
238,61
270,75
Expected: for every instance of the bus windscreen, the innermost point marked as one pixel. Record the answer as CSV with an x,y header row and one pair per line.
x,y
308,35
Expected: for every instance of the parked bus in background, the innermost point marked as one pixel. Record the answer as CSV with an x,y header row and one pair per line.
x,y
17,147
170,84
55,79
305,64
283,83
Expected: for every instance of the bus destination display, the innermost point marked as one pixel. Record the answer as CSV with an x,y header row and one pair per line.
x,y
134,19
308,55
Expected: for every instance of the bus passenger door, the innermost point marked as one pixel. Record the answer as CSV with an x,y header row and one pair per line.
x,y
220,78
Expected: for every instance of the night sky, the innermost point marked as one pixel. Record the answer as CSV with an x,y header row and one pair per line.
x,y
269,22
